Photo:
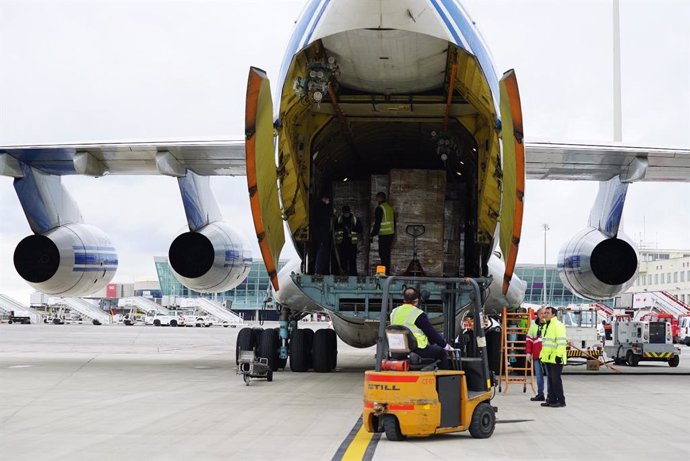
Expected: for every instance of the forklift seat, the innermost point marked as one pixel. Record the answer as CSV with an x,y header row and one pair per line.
x,y
401,343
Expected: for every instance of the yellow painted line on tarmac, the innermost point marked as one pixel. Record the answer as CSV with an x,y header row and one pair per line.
x,y
358,445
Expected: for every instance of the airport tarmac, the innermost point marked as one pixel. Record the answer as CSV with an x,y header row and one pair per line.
x,y
72,392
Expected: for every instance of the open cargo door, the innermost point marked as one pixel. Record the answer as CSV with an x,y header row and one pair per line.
x,y
513,173
261,171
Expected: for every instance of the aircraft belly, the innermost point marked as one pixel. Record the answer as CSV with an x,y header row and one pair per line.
x,y
355,332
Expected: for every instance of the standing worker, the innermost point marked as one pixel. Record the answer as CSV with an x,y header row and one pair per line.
x,y
321,235
554,355
430,344
384,227
534,346
347,232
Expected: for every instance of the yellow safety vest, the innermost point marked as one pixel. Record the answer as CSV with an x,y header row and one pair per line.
x,y
406,315
554,342
340,233
387,220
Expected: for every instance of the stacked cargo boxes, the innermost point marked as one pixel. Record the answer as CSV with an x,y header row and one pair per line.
x,y
418,197
453,232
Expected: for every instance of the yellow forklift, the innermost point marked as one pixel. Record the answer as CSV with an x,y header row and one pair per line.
x,y
407,396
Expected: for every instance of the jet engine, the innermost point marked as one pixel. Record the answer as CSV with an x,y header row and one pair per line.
x,y
213,259
70,260
595,266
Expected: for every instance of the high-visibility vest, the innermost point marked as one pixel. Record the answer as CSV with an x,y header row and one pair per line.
x,y
554,342
340,232
387,220
406,315
534,341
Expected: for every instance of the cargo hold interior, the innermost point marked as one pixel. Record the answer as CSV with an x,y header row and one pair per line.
x,y
429,151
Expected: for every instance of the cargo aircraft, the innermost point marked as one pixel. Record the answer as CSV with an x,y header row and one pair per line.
x,y
367,87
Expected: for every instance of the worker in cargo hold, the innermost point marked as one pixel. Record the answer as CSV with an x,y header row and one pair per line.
x,y
554,356
384,227
533,350
348,229
430,344
322,235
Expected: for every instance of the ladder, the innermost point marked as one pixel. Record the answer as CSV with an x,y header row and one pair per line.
x,y
515,325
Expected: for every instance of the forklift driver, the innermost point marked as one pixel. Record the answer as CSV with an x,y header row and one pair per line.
x,y
430,344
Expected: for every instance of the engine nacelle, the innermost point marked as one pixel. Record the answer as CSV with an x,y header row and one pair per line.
x,y
70,260
595,266
213,259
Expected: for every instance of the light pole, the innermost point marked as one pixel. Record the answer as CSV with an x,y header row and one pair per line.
x,y
546,228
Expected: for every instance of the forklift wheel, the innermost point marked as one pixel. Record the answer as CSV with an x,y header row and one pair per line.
x,y
674,361
392,428
483,421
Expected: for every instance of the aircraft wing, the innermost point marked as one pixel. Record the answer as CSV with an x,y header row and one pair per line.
x,y
602,162
205,158
544,160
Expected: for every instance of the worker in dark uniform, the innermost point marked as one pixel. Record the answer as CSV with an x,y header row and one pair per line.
x,y
430,344
384,227
347,232
321,235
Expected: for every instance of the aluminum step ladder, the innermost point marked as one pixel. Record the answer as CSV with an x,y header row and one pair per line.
x,y
514,327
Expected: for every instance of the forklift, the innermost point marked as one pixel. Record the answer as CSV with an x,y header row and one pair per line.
x,y
407,396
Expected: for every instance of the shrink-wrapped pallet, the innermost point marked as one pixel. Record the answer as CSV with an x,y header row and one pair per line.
x,y
418,198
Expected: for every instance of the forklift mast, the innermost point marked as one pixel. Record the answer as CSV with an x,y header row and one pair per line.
x,y
450,301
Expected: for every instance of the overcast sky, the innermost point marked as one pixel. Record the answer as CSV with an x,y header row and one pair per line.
x,y
89,71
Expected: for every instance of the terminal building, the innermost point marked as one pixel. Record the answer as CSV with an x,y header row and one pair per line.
x,y
664,270
246,299
557,294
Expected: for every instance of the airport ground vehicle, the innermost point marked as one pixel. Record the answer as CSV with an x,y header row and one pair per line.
x,y
418,400
23,319
581,327
159,319
197,321
684,329
637,341
250,366
663,317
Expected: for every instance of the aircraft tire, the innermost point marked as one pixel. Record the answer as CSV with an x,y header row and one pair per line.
x,y
267,348
256,333
300,350
321,351
245,342
332,348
